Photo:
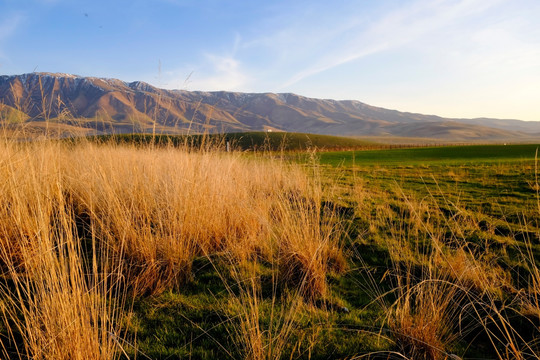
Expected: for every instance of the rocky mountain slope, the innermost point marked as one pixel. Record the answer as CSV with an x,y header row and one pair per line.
x,y
111,105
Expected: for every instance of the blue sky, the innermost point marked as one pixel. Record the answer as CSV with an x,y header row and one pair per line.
x,y
457,58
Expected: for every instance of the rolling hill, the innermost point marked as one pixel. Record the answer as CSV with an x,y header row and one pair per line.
x,y
89,104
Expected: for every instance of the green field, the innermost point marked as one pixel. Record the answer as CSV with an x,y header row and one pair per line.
x,y
432,155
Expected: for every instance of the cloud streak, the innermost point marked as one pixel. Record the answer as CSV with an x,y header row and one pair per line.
x,y
393,30
213,73
8,28
224,73
9,25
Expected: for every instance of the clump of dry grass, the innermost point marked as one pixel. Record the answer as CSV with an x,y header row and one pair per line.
x,y
298,237
55,301
307,249
426,315
472,273
434,289
83,223
255,338
506,335
158,208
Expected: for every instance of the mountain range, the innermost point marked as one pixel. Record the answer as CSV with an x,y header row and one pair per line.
x,y
97,105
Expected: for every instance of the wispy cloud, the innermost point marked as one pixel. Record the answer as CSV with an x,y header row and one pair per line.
x,y
224,73
8,27
215,72
502,46
9,24
297,44
398,28
416,55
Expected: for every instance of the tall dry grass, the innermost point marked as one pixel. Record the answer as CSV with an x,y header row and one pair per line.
x,y
85,226
304,247
158,208
56,303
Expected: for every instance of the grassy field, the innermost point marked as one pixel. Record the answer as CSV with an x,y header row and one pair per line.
x,y
247,141
432,155
122,250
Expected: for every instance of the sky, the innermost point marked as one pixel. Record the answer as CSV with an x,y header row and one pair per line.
x,y
453,58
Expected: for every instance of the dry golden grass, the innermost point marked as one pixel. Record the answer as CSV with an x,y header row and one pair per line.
x,y
61,306
255,339
83,225
158,208
472,273
426,316
423,319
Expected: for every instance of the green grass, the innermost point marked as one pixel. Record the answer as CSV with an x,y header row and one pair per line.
x,y
294,141
431,155
261,141
497,177
198,322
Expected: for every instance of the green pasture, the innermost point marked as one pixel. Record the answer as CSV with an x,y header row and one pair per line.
x,y
432,155
493,182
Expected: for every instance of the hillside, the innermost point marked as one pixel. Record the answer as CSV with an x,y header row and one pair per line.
x,y
114,106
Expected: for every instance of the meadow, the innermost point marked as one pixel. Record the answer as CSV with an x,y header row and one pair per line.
x,y
121,249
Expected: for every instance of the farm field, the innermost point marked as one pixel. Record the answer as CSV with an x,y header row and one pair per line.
x,y
495,176
163,252
443,155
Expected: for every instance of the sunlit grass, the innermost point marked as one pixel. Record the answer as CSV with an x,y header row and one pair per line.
x,y
114,250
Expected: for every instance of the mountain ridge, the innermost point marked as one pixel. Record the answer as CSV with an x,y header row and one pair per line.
x,y
111,105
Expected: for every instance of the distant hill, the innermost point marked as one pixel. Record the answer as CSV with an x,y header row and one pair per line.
x,y
88,104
